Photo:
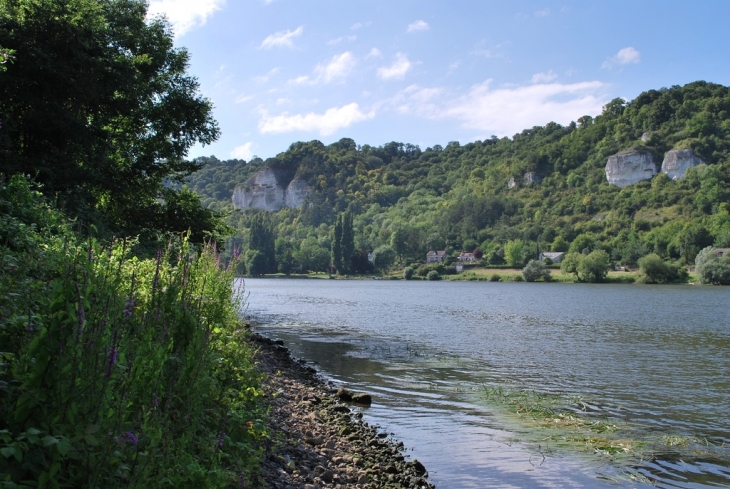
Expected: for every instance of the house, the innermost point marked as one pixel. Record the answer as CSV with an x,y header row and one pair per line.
x,y
435,256
555,256
722,251
466,257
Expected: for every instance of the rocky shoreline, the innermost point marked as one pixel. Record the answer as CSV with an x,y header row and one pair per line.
x,y
317,440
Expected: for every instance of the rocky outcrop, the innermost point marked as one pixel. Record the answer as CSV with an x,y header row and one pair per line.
x,y
532,177
264,191
511,182
678,161
296,193
629,167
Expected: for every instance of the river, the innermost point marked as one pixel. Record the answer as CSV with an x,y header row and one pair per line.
x,y
520,385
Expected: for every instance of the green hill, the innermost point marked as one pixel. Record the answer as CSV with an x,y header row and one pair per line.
x,y
457,197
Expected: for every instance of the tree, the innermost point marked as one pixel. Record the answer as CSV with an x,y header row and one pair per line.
x,y
712,269
559,244
570,264
514,252
343,243
535,270
594,266
654,270
99,109
383,258
263,240
399,242
408,273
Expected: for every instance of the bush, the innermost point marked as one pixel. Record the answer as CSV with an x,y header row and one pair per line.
x,y
654,270
433,275
408,273
586,268
535,270
117,369
383,258
494,277
711,269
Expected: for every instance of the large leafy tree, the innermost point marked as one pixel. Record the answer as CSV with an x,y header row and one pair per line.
x,y
98,108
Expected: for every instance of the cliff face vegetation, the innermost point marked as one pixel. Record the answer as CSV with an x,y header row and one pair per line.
x,y
546,186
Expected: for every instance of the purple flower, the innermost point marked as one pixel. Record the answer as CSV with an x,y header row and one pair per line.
x,y
128,308
236,253
113,354
91,255
241,481
155,400
130,438
221,437
81,319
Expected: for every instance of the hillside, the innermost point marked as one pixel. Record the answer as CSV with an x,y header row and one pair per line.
x,y
457,197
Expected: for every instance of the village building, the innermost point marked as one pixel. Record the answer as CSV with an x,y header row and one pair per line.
x,y
435,256
466,257
555,256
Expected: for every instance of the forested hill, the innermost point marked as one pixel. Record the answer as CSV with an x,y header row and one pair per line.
x,y
457,197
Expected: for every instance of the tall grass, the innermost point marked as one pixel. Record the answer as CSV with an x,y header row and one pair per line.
x,y
117,371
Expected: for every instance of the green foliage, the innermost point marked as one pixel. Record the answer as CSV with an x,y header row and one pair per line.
x,y
654,270
494,277
416,200
343,244
261,255
118,371
433,275
570,264
594,266
408,273
514,252
711,268
99,109
384,258
536,270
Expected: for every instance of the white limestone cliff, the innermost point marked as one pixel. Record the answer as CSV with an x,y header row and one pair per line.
x,y
678,161
264,191
629,167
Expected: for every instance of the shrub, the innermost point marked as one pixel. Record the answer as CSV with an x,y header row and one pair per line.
x,y
711,269
408,273
494,277
594,266
654,270
115,369
535,270
433,275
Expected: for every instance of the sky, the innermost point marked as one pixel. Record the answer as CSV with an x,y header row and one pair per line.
x,y
432,72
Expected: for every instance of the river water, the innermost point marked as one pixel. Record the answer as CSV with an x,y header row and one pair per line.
x,y
636,378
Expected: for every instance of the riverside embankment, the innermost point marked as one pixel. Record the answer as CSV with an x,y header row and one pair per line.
x,y
318,441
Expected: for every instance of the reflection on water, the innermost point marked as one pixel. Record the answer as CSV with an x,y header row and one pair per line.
x,y
654,358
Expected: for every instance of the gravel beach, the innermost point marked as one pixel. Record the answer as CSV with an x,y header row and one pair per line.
x,y
317,439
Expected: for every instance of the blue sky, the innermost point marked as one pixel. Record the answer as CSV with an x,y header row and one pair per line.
x,y
427,72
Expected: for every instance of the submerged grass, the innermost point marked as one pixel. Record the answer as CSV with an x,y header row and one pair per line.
x,y
569,422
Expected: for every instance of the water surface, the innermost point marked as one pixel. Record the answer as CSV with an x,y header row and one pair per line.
x,y
651,360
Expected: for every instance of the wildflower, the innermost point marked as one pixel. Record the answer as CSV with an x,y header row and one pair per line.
x,y
81,319
236,253
241,481
221,437
91,255
128,308
113,355
130,438
155,400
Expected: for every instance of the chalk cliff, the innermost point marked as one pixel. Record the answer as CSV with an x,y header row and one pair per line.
x,y
264,191
678,161
630,166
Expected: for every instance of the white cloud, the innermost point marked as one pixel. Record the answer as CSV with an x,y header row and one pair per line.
x,y
328,123
243,98
261,79
243,152
374,53
625,56
184,14
338,40
282,100
418,25
397,70
544,77
282,38
505,111
338,67
542,13
360,25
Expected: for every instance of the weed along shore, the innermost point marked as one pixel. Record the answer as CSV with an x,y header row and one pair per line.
x,y
317,440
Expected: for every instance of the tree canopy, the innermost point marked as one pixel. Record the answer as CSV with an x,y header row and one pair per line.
x,y
98,108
